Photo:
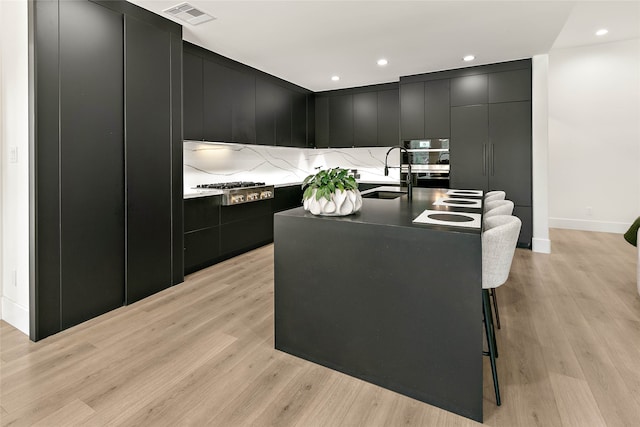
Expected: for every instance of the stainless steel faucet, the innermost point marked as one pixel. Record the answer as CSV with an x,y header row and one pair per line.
x,y
409,176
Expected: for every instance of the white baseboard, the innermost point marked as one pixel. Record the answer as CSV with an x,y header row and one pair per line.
x,y
541,245
15,315
581,224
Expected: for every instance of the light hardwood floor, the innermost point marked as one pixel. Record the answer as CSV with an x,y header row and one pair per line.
x,y
201,353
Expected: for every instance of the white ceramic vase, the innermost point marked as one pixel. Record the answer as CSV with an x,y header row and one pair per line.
x,y
342,203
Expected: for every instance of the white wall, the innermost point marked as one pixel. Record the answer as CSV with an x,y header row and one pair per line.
x,y
540,153
594,136
14,134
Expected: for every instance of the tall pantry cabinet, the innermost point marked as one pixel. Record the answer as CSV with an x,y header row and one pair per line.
x,y
106,187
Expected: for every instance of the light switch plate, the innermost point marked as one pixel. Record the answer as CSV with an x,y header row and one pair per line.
x,y
13,154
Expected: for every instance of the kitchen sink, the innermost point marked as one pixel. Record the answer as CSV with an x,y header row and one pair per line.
x,y
383,195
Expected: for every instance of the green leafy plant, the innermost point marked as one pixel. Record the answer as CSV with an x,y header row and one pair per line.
x,y
326,182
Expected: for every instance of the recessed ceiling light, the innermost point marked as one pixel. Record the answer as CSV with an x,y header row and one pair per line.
x,y
335,78
602,32
469,58
382,62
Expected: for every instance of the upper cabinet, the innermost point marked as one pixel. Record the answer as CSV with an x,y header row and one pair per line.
x,y
510,86
424,109
225,101
470,90
193,97
360,117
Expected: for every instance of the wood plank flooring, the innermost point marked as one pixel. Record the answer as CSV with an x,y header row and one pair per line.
x,y
201,353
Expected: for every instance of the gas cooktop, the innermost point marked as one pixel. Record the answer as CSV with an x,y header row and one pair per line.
x,y
238,192
230,185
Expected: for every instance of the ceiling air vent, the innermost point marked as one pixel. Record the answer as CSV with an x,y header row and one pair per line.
x,y
189,14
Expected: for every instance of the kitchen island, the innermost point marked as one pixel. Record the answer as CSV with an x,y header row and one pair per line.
x,y
379,297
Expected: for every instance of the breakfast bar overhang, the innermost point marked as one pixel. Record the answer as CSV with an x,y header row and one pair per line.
x,y
381,298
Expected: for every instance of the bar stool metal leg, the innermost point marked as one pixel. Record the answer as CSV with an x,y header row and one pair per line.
x,y
488,325
495,306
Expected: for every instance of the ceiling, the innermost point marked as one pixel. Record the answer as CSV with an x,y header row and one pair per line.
x,y
307,42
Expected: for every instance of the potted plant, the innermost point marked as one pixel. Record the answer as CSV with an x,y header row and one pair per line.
x,y
331,192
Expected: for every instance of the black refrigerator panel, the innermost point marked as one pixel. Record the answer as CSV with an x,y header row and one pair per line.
x,y
148,154
91,151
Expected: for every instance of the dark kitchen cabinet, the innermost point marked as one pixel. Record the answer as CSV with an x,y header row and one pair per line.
x,y
107,157
388,117
365,119
287,198
92,218
341,121
470,90
201,232
424,109
229,104
436,109
245,227
217,92
412,110
509,150
283,116
237,103
193,97
469,146
299,120
322,121
266,95
508,86
243,107
201,249
148,159
491,150
359,117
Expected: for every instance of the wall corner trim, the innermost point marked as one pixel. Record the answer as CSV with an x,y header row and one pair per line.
x,y
542,246
15,315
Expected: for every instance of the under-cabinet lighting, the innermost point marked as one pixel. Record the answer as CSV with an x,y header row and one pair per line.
x,y
382,62
468,58
602,32
335,78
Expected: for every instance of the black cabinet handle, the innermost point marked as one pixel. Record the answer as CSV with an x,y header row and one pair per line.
x,y
484,159
493,163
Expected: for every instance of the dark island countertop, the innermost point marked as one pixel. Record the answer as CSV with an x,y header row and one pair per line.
x,y
397,212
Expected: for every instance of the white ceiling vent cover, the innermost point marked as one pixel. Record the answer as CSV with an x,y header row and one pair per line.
x,y
189,14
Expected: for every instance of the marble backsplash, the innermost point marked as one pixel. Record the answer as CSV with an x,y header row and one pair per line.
x,y
214,162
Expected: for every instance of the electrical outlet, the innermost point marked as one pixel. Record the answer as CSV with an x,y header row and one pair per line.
x,y
589,211
13,154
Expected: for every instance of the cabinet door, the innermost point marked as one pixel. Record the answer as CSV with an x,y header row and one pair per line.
x,y
510,150
201,247
468,147
283,116
470,90
92,264
436,109
388,116
217,102
365,119
201,212
266,95
341,121
192,96
322,121
412,110
148,159
243,106
510,86
298,120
